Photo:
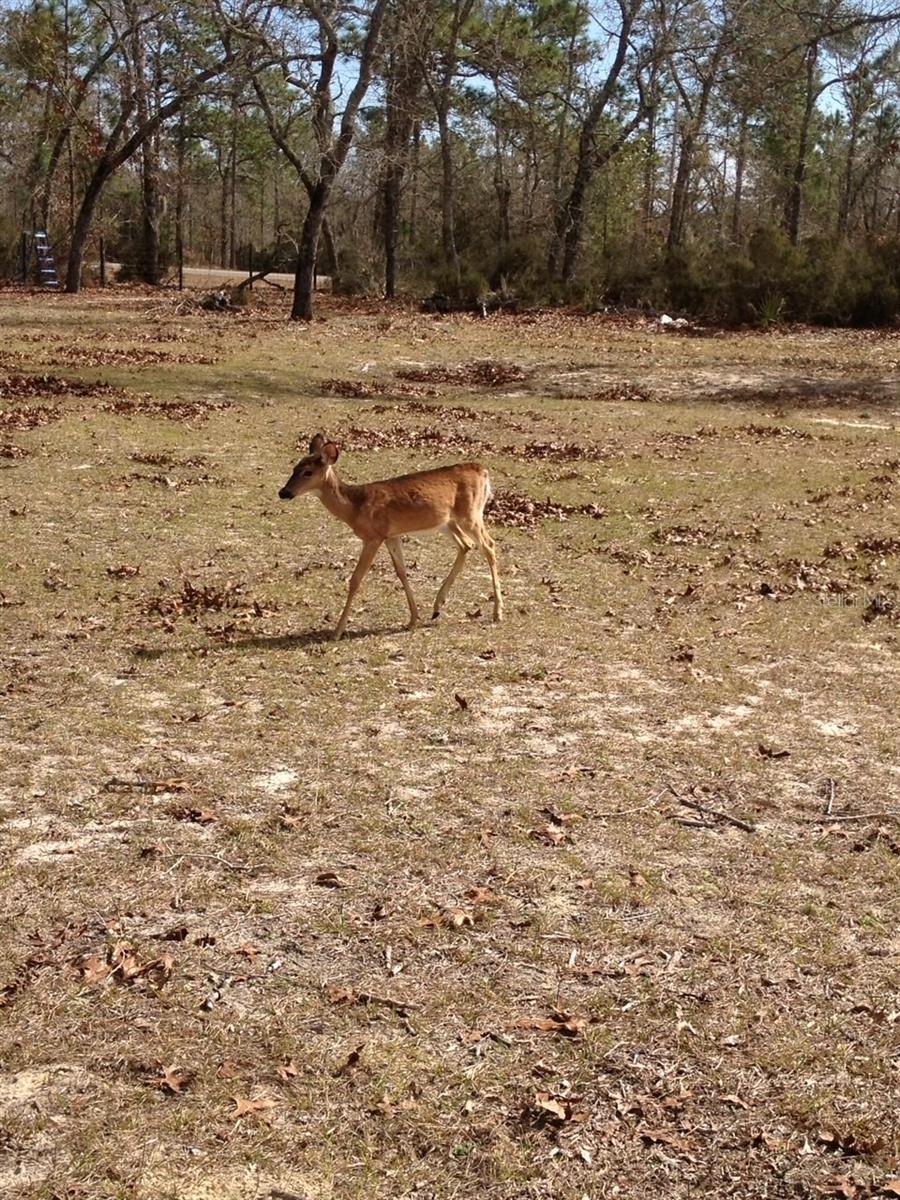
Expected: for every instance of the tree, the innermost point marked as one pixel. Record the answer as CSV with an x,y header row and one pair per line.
x,y
335,30
197,52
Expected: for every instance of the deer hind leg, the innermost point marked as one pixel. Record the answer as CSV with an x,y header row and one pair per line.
x,y
488,549
366,558
464,544
395,549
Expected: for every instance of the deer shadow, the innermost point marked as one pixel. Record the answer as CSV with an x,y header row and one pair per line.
x,y
313,637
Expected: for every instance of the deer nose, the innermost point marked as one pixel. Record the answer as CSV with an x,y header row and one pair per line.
x,y
284,494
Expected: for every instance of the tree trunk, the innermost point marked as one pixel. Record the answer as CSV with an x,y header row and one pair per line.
x,y
570,221
739,164
794,207
148,267
649,196
305,276
232,191
391,226
82,229
448,193
845,205
680,190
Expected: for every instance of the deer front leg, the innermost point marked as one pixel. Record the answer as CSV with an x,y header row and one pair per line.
x,y
366,558
395,549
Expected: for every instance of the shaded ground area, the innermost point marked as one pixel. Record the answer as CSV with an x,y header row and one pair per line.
x,y
602,901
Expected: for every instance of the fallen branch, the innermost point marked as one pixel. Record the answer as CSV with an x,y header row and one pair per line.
x,y
707,811
259,276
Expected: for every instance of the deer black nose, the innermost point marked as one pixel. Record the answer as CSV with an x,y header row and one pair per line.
x,y
284,494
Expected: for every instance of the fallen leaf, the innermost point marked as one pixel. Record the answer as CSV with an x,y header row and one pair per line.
x,y
248,951
461,701
329,879
481,895
848,1143
772,751
341,995
456,918
558,1022
172,1081
94,969
287,1069
548,1103
352,1060
246,1107
837,1185
663,1137
549,835
561,818
159,970
734,1101
199,816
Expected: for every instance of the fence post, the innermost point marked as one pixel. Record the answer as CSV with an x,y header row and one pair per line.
x,y
179,250
250,278
103,262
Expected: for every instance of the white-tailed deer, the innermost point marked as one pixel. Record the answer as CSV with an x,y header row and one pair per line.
x,y
448,498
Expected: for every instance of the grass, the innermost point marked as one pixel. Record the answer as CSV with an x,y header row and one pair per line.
x,y
185,754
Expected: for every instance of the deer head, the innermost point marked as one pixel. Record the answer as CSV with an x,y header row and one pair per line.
x,y
309,473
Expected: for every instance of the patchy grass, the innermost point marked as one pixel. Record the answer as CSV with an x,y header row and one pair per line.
x,y
602,901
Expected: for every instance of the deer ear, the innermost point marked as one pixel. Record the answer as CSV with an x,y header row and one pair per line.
x,y
316,444
330,452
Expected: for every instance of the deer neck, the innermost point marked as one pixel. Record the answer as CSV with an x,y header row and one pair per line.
x,y
335,495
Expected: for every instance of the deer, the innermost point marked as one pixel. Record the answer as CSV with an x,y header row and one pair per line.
x,y
449,499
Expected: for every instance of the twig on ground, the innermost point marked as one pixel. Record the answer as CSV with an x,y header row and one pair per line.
x,y
707,811
829,787
219,859
627,812
886,814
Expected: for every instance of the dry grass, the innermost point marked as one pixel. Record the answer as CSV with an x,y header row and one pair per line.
x,y
283,918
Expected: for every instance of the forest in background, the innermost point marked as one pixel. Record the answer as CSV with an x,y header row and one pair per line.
x,y
735,160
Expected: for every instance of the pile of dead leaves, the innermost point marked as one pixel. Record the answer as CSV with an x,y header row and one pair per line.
x,y
517,511
354,389
621,393
167,460
192,599
760,432
484,373
8,450
459,412
27,387
173,410
356,438
29,417
121,965
557,452
121,356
